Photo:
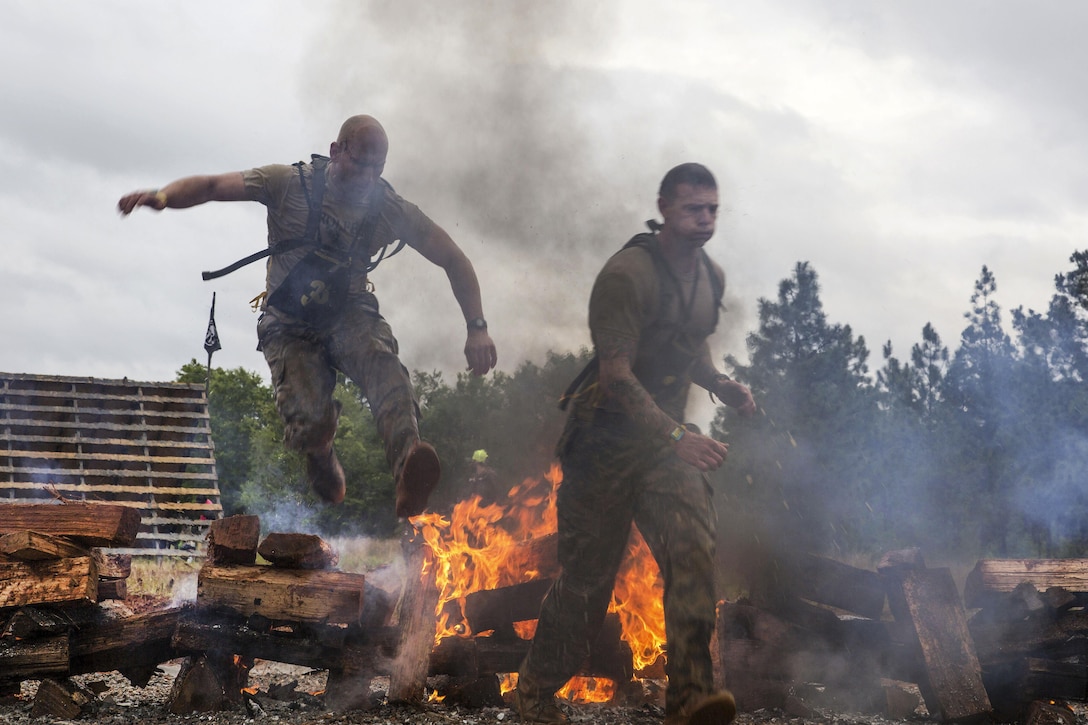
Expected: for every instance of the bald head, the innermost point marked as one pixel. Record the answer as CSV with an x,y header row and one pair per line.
x,y
363,134
357,157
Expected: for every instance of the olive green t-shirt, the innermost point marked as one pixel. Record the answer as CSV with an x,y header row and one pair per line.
x,y
277,186
626,302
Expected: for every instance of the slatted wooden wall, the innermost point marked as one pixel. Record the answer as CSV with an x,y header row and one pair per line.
x,y
144,445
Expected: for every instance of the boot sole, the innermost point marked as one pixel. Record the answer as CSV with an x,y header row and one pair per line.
x,y
422,469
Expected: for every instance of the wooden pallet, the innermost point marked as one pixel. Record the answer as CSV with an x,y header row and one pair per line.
x,y
138,444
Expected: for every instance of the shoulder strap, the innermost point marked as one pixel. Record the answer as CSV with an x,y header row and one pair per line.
x,y
314,200
313,220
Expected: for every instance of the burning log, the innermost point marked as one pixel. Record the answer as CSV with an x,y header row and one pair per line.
x,y
233,540
324,597
307,647
298,551
91,524
478,657
1049,713
416,620
35,546
539,555
53,581
498,609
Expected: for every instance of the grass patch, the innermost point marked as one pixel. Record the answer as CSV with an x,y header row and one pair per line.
x,y
167,577
360,554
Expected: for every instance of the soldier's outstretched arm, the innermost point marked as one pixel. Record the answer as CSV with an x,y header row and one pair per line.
x,y
187,192
440,249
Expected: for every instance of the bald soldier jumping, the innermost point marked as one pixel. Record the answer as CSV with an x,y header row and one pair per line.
x,y
329,222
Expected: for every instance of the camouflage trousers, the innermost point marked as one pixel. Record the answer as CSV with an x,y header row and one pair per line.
x,y
303,362
612,476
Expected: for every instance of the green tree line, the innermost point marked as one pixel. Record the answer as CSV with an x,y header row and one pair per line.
x,y
980,450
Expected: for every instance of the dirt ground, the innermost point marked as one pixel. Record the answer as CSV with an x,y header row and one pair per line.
x,y
123,704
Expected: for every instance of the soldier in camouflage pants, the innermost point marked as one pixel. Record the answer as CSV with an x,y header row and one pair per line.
x,y
611,478
628,458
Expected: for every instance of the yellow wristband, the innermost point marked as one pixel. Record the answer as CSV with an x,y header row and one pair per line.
x,y
161,196
678,433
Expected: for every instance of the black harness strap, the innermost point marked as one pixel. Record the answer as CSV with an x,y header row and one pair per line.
x,y
314,201
646,241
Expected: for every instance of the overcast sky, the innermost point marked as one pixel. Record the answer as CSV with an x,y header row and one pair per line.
x,y
896,146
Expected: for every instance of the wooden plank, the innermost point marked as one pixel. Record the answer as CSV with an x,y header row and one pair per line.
x,y
36,546
80,456
298,551
93,524
326,597
58,581
419,598
49,474
940,623
157,486
992,577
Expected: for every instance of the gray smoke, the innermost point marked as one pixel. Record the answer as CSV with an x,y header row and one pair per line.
x,y
537,161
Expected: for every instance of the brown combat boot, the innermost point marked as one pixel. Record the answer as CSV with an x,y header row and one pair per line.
x,y
538,710
718,708
418,475
326,476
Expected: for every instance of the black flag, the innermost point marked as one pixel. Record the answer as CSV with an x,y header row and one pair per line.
x,y
211,337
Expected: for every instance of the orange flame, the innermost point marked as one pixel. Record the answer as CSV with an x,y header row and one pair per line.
x,y
477,548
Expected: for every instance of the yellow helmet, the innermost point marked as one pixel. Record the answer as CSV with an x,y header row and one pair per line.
x,y
480,456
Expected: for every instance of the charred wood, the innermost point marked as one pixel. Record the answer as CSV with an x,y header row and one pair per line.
x,y
953,689
132,645
198,688
993,577
415,617
34,659
298,551
65,700
496,609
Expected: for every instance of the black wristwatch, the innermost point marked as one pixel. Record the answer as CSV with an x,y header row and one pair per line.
x,y
477,323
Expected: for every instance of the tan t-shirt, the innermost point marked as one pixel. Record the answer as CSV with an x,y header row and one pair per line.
x,y
277,186
626,303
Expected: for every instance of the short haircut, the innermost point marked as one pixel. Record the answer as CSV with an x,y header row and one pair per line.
x,y
689,173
